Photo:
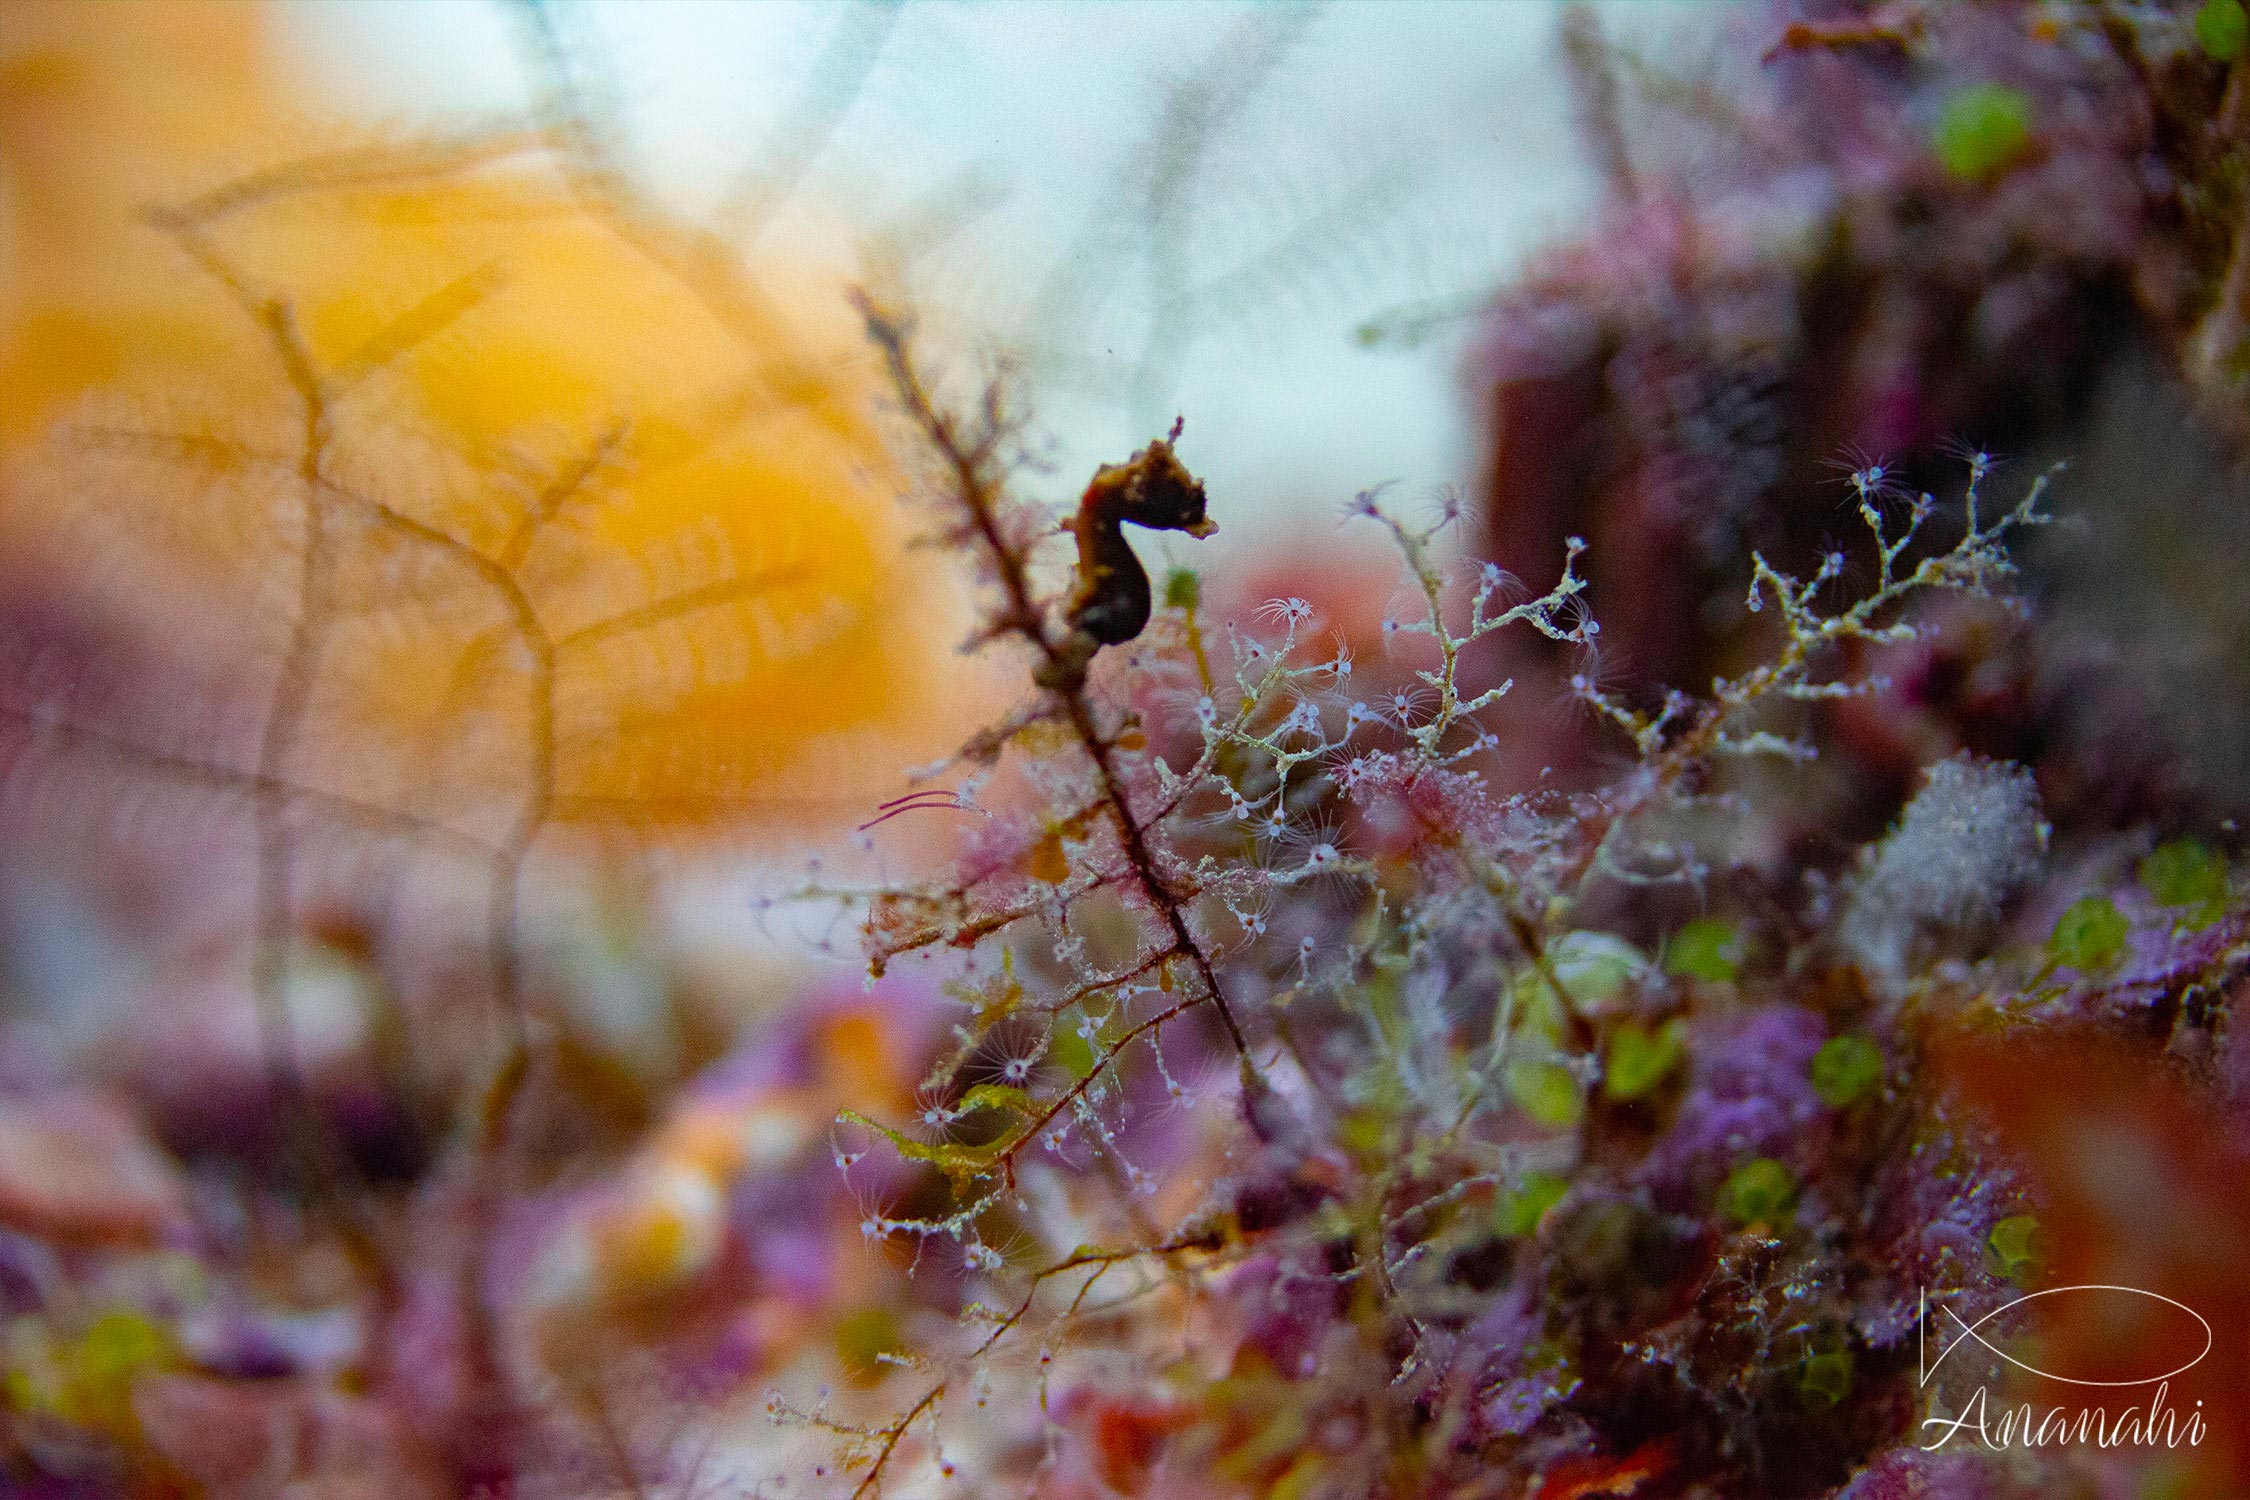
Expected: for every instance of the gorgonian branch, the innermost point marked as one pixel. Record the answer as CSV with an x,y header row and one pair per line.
x,y
981,512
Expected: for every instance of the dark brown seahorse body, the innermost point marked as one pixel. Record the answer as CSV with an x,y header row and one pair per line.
x,y
1154,489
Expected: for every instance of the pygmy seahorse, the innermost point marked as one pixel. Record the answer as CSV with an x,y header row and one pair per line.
x,y
1153,489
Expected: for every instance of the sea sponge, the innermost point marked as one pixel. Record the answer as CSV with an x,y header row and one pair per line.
x,y
1971,836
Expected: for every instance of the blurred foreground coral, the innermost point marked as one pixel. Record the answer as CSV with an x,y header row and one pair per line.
x,y
589,492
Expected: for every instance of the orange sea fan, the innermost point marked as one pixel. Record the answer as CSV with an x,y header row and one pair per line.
x,y
517,502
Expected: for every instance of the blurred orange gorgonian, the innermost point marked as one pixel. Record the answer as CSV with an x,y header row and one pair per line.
x,y
448,479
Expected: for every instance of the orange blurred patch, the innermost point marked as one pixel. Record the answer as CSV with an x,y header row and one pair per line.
x,y
1129,1434
2142,1182
1589,1478
863,1058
